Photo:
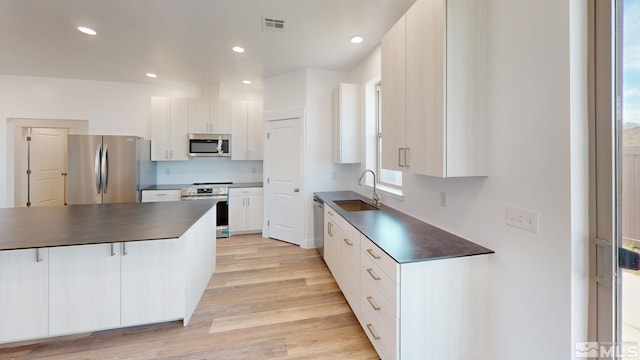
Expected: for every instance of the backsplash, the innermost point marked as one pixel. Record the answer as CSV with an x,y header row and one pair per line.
x,y
208,170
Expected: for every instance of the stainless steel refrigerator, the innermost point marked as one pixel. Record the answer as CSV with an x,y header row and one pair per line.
x,y
108,169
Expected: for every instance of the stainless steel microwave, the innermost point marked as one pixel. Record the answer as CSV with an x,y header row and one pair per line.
x,y
209,145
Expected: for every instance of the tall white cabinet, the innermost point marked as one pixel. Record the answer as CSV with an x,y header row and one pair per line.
x,y
346,123
209,113
169,124
434,102
246,130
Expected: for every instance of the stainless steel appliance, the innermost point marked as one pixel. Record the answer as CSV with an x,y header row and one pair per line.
x,y
209,145
212,191
318,225
108,169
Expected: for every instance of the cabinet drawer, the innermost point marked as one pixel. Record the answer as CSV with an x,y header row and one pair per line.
x,y
245,191
380,258
375,282
160,195
381,334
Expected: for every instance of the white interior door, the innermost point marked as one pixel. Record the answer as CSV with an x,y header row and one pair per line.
x,y
48,166
284,181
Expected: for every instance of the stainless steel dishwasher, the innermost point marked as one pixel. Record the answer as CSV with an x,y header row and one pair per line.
x,y
318,225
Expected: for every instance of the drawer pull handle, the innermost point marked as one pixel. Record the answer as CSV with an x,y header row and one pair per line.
x,y
373,304
370,328
348,242
373,275
373,255
38,257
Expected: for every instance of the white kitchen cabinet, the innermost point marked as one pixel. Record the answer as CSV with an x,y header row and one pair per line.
x,y
245,210
84,288
246,130
153,281
393,96
346,123
24,294
342,255
444,95
209,115
169,127
160,195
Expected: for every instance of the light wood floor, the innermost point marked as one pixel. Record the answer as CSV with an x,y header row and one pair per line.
x,y
266,299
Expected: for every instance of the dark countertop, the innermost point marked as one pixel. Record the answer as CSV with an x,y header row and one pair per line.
x,y
37,227
404,238
181,186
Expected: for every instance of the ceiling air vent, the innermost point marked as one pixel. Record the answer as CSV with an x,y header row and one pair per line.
x,y
272,24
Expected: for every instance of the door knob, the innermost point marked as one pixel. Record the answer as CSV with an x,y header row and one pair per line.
x,y
296,190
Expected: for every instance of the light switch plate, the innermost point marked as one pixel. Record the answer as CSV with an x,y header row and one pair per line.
x,y
522,219
444,201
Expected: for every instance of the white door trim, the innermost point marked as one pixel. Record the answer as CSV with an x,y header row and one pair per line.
x,y
16,149
276,115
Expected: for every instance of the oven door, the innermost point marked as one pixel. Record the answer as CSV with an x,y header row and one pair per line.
x,y
222,212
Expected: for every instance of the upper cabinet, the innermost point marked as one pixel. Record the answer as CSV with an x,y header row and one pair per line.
x,y
434,89
346,124
209,114
246,130
169,119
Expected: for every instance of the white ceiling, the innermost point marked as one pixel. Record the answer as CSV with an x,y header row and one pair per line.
x,y
187,40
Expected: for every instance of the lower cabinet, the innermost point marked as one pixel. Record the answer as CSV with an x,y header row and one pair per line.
x,y
245,210
152,281
160,195
434,309
342,255
24,292
84,288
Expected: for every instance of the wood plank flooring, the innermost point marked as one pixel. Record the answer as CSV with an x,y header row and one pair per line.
x,y
266,299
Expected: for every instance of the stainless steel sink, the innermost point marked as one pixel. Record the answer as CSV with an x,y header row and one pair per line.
x,y
355,205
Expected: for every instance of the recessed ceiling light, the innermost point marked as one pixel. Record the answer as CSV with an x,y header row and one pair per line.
x,y
246,82
238,49
356,39
87,30
152,75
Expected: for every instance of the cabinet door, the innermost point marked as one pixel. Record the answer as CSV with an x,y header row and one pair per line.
x,y
84,288
160,128
179,128
393,97
239,128
153,281
254,130
336,139
346,124
237,212
221,116
425,100
199,116
254,212
24,294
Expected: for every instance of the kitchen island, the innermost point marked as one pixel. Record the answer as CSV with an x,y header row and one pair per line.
x,y
81,268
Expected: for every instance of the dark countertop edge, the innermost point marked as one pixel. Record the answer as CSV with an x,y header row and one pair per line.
x,y
397,214
182,186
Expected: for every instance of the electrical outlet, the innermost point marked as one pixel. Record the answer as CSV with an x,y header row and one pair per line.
x,y
167,171
444,200
522,219
253,170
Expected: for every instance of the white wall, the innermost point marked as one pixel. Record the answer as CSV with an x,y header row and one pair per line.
x,y
110,108
311,89
537,160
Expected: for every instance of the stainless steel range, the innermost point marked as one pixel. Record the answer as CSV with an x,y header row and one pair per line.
x,y
212,191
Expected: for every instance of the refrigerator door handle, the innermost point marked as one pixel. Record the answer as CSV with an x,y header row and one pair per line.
x,y
105,169
97,169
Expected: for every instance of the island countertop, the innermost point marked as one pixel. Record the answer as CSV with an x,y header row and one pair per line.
x,y
39,227
404,238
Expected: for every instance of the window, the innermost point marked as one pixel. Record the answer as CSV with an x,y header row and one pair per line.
x,y
390,178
